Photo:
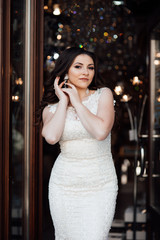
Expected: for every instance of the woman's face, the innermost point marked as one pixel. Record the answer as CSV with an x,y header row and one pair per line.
x,y
81,72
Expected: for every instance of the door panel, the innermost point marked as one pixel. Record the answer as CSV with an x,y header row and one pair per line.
x,y
21,70
154,135
17,118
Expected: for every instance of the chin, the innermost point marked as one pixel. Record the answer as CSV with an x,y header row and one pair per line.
x,y
82,86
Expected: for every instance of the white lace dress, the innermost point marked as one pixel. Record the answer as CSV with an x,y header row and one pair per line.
x,y
83,182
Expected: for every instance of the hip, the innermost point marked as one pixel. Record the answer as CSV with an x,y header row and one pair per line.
x,y
81,188
81,176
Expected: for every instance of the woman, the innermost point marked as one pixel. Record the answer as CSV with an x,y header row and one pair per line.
x,y
83,182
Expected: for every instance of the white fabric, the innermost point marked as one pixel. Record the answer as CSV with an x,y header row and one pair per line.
x,y
83,182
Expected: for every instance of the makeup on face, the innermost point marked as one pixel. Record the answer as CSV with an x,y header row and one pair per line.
x,y
81,72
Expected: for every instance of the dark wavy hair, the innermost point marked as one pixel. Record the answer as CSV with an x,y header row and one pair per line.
x,y
62,66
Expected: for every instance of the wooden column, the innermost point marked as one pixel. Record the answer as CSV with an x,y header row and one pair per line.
x,y
4,114
36,166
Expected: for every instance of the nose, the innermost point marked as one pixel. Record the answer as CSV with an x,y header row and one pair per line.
x,y
85,71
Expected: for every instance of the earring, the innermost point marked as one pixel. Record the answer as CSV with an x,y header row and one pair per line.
x,y
66,77
65,80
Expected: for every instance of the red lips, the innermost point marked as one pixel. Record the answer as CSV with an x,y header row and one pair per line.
x,y
84,79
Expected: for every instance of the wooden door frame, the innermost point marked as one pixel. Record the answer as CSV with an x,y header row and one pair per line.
x,y
153,217
4,115
0,120
36,155
36,80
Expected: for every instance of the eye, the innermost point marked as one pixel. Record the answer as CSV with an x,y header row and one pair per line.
x,y
77,66
91,68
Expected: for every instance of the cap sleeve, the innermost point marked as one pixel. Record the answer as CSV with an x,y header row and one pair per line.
x,y
52,107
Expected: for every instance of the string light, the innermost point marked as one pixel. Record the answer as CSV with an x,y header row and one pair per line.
x,y
45,7
56,56
156,62
118,3
136,81
56,10
59,36
158,97
60,25
158,55
19,81
116,67
15,98
118,90
115,36
108,31
126,98
105,34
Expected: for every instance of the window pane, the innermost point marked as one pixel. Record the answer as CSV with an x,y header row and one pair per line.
x,y
17,118
155,128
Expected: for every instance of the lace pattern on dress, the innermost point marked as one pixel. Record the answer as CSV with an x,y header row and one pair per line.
x,y
91,103
52,107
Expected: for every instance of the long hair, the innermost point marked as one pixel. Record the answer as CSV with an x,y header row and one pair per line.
x,y
61,68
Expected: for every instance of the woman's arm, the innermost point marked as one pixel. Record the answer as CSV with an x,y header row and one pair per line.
x,y
53,123
98,125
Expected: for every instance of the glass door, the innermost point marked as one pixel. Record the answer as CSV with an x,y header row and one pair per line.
x,y
26,59
17,115
155,119
21,81
154,136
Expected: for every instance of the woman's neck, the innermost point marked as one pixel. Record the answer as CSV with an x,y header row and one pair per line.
x,y
83,93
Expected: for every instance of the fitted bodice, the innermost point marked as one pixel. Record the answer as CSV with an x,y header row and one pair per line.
x,y
82,156
75,134
85,148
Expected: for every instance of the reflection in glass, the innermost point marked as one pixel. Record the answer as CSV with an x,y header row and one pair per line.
x,y
155,117
17,118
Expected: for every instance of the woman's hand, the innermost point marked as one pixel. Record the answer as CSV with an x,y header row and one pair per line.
x,y
58,91
72,93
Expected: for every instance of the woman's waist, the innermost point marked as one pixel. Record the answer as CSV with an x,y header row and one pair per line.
x,y
84,170
85,148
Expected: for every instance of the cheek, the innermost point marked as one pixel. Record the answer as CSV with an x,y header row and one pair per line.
x,y
72,73
92,74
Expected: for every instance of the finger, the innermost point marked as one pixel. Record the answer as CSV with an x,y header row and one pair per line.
x,y
57,78
56,81
71,85
61,84
66,90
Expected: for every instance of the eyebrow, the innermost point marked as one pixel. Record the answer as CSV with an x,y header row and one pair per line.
x,y
82,63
